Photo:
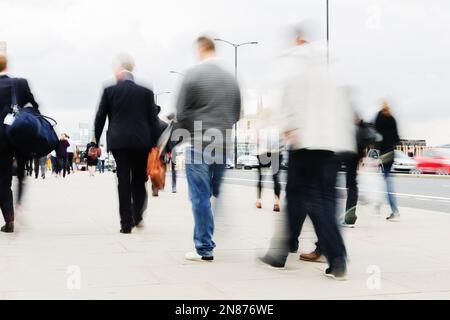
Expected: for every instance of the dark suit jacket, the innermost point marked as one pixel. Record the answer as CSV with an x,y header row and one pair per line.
x,y
132,116
23,95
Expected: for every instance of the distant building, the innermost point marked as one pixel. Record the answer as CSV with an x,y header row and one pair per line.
x,y
411,146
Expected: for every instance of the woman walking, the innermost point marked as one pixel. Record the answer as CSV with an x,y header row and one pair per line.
x,y
91,157
387,126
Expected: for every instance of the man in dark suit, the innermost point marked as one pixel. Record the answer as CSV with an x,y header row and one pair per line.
x,y
133,130
23,96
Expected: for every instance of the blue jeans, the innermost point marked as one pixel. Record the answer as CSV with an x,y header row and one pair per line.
x,y
204,180
389,188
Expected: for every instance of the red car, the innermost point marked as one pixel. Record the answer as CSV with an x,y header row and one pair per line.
x,y
434,161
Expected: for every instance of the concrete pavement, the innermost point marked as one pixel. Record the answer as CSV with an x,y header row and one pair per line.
x,y
67,246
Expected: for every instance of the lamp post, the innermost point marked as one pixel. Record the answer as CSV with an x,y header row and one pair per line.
x,y
328,32
236,46
158,94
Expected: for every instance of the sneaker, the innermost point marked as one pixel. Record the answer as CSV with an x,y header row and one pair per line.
x,y
193,256
348,225
272,262
339,274
258,204
313,257
394,216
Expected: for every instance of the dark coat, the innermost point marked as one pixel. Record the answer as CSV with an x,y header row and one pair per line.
x,y
23,95
132,117
387,127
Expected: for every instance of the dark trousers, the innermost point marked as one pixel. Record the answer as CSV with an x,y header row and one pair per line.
x,y
22,167
174,175
132,176
275,172
69,162
6,195
351,163
311,190
61,166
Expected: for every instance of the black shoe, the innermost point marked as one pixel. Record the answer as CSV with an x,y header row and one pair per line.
x,y
272,262
8,227
126,230
337,273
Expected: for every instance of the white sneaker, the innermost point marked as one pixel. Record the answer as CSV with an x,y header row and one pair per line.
x,y
193,256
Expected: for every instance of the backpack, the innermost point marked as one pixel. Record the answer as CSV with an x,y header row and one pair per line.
x,y
94,152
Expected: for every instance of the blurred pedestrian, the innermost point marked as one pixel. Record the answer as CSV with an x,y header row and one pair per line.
x,y
208,105
70,155
61,154
40,164
269,156
386,125
54,162
317,124
23,96
91,159
133,131
162,126
102,159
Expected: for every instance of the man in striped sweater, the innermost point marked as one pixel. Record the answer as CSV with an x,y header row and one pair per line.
x,y
208,105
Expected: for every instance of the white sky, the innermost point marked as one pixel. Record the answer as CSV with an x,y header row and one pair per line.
x,y
388,48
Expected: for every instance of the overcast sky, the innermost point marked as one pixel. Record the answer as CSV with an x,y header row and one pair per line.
x,y
397,49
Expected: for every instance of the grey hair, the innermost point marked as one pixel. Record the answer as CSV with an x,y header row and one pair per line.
x,y
125,61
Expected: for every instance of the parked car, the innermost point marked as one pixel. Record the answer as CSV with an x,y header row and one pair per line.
x,y
434,161
247,162
403,163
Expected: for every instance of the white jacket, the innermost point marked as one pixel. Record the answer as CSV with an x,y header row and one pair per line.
x,y
313,110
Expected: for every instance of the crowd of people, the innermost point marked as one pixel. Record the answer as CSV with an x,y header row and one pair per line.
x,y
317,125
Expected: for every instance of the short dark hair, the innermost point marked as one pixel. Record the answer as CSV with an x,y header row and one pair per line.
x,y
3,62
206,43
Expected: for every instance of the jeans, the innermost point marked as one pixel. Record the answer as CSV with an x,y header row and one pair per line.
x,y
40,164
389,188
311,191
61,165
174,175
204,180
132,177
352,188
275,173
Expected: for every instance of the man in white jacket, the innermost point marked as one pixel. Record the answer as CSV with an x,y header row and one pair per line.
x,y
317,123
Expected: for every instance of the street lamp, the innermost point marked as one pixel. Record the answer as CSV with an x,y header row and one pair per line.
x,y
158,94
236,46
176,72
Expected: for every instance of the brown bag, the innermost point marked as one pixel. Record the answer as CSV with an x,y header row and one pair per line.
x,y
156,169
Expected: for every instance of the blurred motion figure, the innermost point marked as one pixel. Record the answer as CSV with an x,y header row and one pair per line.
x,y
317,123
209,101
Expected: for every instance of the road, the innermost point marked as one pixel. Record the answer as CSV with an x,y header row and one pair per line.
x,y
420,192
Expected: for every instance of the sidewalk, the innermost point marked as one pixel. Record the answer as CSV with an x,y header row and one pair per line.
x,y
72,225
